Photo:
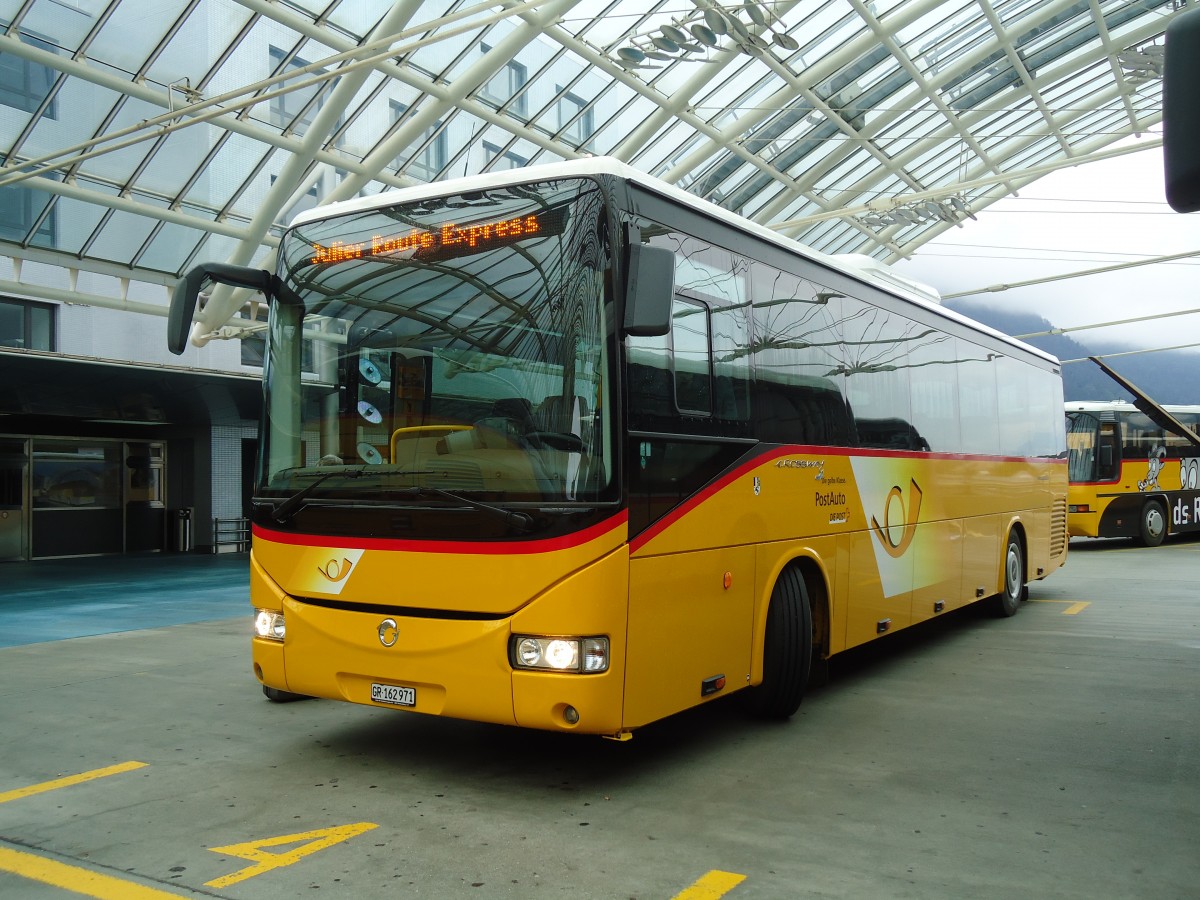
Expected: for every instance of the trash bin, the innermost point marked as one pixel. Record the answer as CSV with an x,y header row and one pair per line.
x,y
182,535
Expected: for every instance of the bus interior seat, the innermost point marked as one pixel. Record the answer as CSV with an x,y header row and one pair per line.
x,y
518,409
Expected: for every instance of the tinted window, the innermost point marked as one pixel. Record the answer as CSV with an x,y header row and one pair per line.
x,y
875,351
798,361
977,399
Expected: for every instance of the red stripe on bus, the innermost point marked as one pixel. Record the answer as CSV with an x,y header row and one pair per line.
x,y
478,548
691,503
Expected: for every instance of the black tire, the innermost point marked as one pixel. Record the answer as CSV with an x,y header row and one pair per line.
x,y
275,695
787,649
1152,523
1008,601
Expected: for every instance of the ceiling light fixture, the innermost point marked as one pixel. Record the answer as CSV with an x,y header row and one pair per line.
x,y
741,25
887,211
1142,64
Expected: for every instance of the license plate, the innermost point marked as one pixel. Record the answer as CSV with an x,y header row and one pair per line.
x,y
394,694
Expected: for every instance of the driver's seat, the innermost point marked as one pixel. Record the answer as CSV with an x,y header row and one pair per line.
x,y
518,409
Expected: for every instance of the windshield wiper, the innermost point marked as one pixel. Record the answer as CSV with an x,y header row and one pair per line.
x,y
516,518
292,505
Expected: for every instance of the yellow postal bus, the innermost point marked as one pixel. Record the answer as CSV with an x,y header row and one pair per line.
x,y
569,449
1133,474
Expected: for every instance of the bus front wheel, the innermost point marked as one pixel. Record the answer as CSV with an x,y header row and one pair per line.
x,y
275,695
787,649
1153,524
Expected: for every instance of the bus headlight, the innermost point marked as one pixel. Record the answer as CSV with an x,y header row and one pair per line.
x,y
268,624
584,656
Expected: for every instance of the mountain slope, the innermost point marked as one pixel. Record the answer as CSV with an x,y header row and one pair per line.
x,y
1168,376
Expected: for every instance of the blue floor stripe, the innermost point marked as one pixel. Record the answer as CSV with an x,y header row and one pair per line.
x,y
50,600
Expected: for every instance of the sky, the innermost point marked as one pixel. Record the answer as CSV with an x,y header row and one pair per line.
x,y
1076,219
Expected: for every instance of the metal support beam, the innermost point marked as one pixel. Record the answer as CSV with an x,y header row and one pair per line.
x,y
224,303
456,95
160,97
43,292
72,190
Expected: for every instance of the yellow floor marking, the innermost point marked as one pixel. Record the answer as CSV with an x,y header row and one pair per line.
x,y
76,879
712,886
266,861
69,780
1076,607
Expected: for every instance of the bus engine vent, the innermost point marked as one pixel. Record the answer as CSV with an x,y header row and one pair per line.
x,y
454,475
1058,529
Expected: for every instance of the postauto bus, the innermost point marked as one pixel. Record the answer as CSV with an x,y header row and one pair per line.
x,y
567,448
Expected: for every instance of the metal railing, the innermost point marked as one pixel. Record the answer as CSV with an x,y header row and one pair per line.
x,y
231,533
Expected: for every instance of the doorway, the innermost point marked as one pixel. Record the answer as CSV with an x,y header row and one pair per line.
x,y
14,500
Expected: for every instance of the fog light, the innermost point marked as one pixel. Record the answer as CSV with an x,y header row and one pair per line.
x,y
559,654
571,715
268,624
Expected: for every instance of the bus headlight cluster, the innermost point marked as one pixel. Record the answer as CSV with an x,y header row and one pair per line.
x,y
584,656
268,623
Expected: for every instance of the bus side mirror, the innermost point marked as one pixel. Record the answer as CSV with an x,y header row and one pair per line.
x,y
650,291
1181,112
187,293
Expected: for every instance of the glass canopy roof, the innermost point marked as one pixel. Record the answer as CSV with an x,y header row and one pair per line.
x,y
139,138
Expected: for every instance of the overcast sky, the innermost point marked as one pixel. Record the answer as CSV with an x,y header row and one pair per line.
x,y
1077,219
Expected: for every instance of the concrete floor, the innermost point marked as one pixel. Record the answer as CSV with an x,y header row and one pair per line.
x,y
1055,754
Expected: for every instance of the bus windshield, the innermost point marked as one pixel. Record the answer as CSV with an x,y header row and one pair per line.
x,y
451,350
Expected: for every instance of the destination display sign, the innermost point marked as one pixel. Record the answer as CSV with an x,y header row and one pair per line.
x,y
448,240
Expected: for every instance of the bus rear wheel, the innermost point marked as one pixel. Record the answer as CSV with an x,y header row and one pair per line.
x,y
1152,526
787,649
1008,601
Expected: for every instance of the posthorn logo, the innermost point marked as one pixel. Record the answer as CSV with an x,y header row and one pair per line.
x,y
336,571
899,519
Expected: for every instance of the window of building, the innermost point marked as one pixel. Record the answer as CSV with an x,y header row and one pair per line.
x,y
20,209
24,84
295,110
26,324
254,344
506,85
431,159
576,120
310,199
497,160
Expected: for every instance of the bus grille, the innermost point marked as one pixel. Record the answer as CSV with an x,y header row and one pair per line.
x,y
1058,529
